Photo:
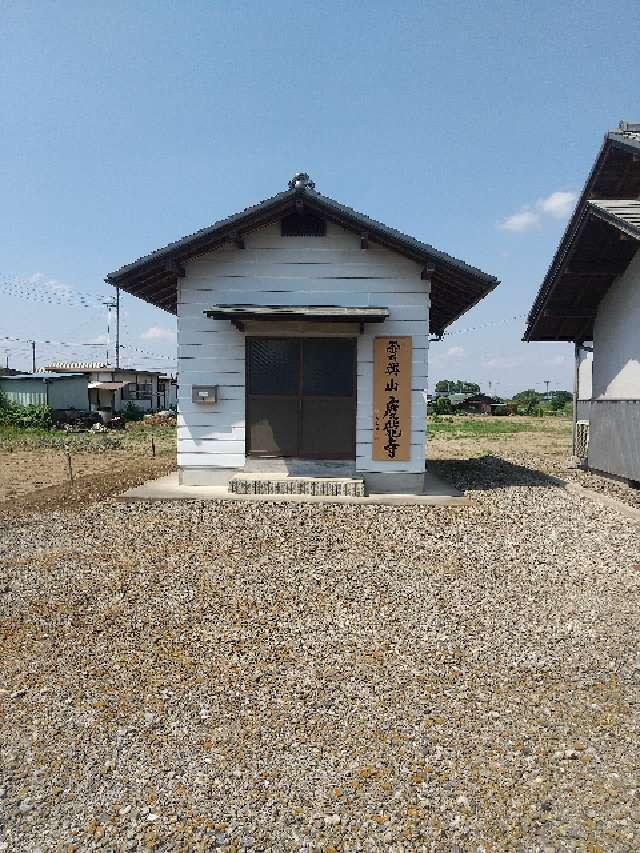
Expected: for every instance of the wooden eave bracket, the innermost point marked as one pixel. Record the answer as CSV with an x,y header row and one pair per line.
x,y
175,268
364,241
235,239
427,272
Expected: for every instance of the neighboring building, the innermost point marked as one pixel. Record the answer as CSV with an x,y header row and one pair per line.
x,y
303,331
168,391
591,293
477,403
59,392
112,388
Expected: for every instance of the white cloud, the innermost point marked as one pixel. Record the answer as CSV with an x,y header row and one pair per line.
x,y
502,363
99,339
158,333
455,352
524,220
55,287
557,360
558,204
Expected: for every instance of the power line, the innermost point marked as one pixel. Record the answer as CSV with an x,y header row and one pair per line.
x,y
39,289
484,326
73,344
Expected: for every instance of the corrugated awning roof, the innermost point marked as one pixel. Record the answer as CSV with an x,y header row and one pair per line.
x,y
319,313
109,386
455,285
623,214
43,376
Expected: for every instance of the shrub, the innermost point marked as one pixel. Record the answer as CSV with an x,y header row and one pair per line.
x,y
443,406
26,417
133,412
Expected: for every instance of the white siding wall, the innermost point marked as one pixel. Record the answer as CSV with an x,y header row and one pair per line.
x,y
585,368
274,270
616,339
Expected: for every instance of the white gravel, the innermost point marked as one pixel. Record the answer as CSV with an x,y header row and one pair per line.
x,y
188,676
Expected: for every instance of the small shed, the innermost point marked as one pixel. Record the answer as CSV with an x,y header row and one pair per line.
x,y
303,335
59,392
111,389
476,403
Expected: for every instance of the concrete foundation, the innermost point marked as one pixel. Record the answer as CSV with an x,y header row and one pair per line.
x,y
395,484
206,476
435,492
374,483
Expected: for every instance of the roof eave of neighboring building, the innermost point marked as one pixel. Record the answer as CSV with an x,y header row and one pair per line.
x,y
612,214
574,226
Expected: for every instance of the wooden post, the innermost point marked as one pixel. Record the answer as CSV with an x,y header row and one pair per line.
x,y
69,465
153,447
117,327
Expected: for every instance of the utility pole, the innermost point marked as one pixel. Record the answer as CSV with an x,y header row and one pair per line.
x,y
33,356
117,327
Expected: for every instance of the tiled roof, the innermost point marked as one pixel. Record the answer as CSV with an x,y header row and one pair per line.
x,y
76,365
626,130
326,202
614,176
455,285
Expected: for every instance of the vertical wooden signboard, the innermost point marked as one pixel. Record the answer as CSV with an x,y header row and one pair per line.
x,y
392,399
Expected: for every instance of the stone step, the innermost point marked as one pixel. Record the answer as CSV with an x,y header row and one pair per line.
x,y
272,484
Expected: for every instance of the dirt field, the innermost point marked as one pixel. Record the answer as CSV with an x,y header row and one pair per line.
x,y
548,439
34,475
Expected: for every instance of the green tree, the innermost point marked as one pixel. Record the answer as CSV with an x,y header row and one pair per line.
x,y
525,396
443,406
457,386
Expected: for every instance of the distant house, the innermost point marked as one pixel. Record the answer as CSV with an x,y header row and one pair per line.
x,y
476,403
59,392
591,293
111,389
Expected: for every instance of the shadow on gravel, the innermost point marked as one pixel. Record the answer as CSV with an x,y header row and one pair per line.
x,y
490,472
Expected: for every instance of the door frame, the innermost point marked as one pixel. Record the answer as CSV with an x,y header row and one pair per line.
x,y
300,397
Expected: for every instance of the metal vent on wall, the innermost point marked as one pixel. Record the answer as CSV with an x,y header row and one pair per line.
x,y
303,224
582,439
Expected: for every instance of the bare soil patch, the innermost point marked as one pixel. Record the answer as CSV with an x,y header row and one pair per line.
x,y
35,477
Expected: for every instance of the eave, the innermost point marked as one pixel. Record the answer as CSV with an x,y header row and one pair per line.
x,y
455,285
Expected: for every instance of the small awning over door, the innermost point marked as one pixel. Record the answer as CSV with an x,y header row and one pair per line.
x,y
108,386
314,313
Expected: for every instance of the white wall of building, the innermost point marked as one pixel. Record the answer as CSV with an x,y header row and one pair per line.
x,y
616,339
585,368
272,270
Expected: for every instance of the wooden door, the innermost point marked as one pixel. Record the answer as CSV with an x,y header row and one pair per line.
x,y
301,397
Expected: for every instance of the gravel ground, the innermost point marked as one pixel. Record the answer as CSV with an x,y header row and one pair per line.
x,y
306,677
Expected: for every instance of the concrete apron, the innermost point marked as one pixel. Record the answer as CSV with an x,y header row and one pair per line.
x,y
435,493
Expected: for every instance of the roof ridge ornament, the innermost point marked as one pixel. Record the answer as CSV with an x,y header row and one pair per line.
x,y
301,181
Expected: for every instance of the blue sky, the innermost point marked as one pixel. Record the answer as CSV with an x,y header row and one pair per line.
x,y
468,125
